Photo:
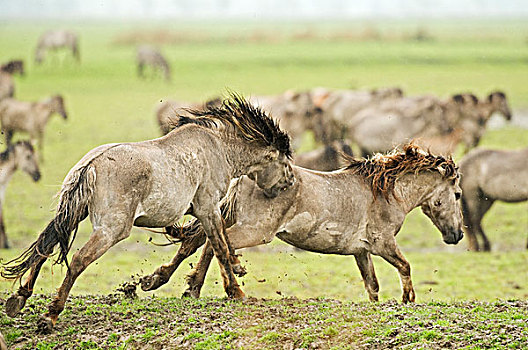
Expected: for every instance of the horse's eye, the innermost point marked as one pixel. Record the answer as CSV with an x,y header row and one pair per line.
x,y
437,203
457,195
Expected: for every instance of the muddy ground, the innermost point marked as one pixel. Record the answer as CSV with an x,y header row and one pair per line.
x,y
118,322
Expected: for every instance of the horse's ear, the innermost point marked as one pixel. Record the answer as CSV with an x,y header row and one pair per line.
x,y
500,94
473,98
442,169
291,94
458,98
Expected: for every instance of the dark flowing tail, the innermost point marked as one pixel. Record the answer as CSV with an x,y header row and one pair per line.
x,y
74,198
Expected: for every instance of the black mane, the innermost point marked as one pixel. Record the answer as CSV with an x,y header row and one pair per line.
x,y
251,122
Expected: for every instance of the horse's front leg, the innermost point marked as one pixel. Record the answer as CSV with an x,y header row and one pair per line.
x,y
393,256
214,228
163,273
102,238
366,267
3,236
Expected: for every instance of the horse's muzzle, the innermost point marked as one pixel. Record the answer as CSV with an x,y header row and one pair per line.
x,y
35,176
454,237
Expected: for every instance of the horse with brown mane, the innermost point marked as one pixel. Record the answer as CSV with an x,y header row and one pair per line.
x,y
153,184
357,210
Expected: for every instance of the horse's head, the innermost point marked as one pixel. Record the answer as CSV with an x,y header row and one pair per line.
x,y
273,174
26,159
443,207
500,104
57,105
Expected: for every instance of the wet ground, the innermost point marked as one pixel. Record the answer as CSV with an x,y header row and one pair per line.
x,y
119,322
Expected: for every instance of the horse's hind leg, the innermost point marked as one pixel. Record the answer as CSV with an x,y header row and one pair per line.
x,y
366,267
195,280
163,273
102,238
484,205
16,302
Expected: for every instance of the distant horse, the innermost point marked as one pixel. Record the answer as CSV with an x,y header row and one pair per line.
x,y
153,184
13,67
489,176
149,56
20,155
30,117
325,158
168,111
54,40
7,84
356,211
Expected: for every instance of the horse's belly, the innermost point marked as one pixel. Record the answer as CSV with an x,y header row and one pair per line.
x,y
160,213
328,237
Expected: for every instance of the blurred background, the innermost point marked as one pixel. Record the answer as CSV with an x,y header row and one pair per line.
x,y
268,48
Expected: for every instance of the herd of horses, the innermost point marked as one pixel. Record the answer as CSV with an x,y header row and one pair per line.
x,y
233,168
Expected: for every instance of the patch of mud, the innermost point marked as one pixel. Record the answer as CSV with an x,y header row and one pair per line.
x,y
114,321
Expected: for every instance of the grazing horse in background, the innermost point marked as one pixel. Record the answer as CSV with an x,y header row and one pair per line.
x,y
357,210
30,117
7,85
325,158
168,111
13,67
153,184
149,56
20,155
54,40
489,176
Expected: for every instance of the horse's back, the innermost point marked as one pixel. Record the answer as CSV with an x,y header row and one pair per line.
x,y
498,174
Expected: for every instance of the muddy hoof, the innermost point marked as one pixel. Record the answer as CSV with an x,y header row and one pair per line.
x,y
239,270
44,325
189,293
14,304
152,282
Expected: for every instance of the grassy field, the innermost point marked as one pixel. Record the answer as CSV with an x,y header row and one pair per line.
x,y
107,103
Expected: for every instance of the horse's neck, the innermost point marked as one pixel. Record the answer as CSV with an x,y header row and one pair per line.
x,y
412,190
487,108
240,155
43,112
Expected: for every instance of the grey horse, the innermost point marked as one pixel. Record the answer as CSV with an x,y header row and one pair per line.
x,y
150,56
54,40
489,176
153,184
7,84
325,158
20,155
30,117
356,211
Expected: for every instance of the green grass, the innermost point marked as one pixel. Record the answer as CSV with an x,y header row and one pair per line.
x,y
266,324
107,103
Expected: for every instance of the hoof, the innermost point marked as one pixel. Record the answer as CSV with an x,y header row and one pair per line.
x,y
189,293
239,270
238,294
14,304
152,282
45,325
